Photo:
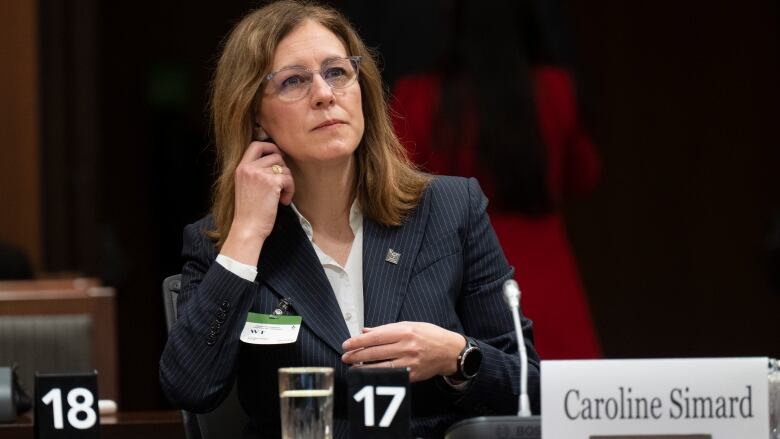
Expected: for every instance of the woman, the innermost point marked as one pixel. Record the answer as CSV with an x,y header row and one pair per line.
x,y
388,267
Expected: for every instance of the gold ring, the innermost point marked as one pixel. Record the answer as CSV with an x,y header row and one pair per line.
x,y
276,169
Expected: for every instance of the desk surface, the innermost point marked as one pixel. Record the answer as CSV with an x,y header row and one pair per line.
x,y
123,425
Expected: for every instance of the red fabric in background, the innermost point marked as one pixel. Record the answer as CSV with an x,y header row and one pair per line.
x,y
537,246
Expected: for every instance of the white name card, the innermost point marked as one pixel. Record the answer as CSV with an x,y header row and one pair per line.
x,y
726,398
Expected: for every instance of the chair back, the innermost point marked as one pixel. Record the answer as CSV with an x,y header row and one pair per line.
x,y
171,288
46,344
54,330
228,419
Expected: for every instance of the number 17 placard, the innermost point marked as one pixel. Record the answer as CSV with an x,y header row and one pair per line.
x,y
66,406
379,404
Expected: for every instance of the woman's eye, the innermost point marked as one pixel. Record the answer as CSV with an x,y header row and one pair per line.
x,y
334,73
293,81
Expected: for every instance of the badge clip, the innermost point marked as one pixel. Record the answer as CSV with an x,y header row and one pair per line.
x,y
283,308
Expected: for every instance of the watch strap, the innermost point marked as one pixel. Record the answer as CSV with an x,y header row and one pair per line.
x,y
459,374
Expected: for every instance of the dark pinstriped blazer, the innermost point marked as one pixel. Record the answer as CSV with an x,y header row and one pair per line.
x,y
450,274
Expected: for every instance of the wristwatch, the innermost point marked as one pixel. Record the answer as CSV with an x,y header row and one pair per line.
x,y
469,360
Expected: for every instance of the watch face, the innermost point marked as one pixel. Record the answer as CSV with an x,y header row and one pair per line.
x,y
471,362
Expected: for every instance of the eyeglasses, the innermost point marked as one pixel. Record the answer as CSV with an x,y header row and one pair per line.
x,y
293,83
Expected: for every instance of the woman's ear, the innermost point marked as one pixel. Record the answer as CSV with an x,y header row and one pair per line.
x,y
260,133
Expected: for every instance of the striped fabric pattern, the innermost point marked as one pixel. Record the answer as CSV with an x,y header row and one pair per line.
x,y
449,273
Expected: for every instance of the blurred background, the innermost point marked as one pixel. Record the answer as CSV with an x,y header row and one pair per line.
x,y
106,155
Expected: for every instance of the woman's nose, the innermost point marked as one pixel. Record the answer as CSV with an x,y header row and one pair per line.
x,y
321,92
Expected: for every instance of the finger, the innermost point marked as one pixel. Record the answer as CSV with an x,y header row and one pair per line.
x,y
268,160
372,354
258,149
384,334
385,363
288,188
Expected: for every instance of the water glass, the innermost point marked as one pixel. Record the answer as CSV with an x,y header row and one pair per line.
x,y
774,399
306,398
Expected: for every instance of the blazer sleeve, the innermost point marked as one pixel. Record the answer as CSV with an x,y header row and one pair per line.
x,y
198,364
482,311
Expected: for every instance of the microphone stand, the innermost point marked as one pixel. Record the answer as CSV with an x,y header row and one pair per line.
x,y
522,426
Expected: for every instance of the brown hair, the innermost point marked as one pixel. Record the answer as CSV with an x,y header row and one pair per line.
x,y
388,185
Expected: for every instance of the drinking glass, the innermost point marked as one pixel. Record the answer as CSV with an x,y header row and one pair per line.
x,y
306,398
774,399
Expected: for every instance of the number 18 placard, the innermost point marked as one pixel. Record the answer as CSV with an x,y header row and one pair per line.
x,y
66,406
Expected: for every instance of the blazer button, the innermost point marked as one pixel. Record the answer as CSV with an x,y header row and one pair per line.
x,y
215,326
221,316
225,306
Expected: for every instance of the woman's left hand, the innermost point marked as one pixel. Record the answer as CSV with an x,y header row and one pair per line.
x,y
426,349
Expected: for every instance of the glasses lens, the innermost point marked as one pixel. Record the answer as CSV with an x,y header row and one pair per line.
x,y
293,83
339,73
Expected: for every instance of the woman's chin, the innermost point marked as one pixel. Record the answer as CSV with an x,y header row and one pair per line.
x,y
334,150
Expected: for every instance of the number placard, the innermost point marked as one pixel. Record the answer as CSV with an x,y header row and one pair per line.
x,y
379,404
66,406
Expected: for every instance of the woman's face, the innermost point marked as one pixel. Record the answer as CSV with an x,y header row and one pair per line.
x,y
327,124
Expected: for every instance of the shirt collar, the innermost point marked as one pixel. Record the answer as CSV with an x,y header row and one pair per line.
x,y
355,219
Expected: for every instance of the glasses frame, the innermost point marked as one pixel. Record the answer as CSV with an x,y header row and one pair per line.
x,y
354,60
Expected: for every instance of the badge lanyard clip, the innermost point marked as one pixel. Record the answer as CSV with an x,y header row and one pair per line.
x,y
283,308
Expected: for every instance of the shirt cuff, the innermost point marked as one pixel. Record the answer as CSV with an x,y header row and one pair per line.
x,y
460,387
244,271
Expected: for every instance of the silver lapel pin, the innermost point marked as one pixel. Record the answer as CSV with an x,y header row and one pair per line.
x,y
392,256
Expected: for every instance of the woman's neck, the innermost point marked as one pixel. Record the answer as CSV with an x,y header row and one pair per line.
x,y
324,193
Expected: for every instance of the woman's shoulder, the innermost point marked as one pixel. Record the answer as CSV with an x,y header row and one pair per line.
x,y
447,183
451,204
202,226
195,237
453,190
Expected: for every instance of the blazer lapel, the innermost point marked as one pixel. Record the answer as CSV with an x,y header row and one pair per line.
x,y
289,266
386,276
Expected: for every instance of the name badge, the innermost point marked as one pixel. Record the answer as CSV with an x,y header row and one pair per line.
x,y
271,329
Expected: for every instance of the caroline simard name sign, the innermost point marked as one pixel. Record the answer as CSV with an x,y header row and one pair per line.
x,y
726,398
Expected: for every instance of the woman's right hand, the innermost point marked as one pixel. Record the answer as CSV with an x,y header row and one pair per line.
x,y
259,190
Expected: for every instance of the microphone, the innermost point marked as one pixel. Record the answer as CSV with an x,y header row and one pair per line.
x,y
512,299
522,426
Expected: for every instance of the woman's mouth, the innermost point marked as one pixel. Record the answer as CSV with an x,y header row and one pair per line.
x,y
329,123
